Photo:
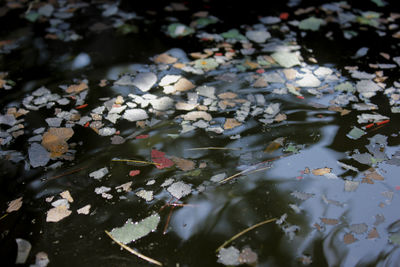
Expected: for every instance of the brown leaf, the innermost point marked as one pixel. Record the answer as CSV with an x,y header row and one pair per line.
x,y
55,140
321,171
165,59
227,95
183,85
248,256
14,205
349,238
260,82
76,88
231,123
373,234
274,145
57,214
374,175
280,117
183,164
330,221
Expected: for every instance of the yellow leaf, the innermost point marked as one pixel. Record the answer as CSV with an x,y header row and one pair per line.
x,y
321,171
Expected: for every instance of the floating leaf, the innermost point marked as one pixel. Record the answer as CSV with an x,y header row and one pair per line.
x,y
178,30
373,234
233,34
183,164
58,213
248,256
165,59
358,228
349,238
179,189
346,86
356,133
231,123
24,248
330,221
14,205
84,210
321,171
76,88
274,145
206,64
311,23
55,140
134,173
286,59
229,256
131,232
159,158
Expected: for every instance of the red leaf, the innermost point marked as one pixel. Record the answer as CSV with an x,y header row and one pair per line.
x,y
134,173
159,157
260,71
143,136
81,106
284,16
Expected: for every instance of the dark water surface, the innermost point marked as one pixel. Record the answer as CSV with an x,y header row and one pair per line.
x,y
214,212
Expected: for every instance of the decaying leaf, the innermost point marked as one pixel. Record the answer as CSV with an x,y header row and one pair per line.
x,y
229,256
349,238
127,187
55,140
231,123
329,221
373,234
58,213
131,231
14,205
183,164
76,88
274,145
321,171
248,256
165,59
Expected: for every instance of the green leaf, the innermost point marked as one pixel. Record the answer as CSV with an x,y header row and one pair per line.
x,y
233,34
179,30
311,23
207,64
286,59
32,16
355,133
346,86
133,231
395,238
127,28
379,3
202,22
292,148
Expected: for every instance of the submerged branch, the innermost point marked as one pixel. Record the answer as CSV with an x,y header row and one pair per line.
x,y
136,161
134,251
243,232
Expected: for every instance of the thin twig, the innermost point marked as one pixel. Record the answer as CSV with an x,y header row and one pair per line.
x,y
136,161
168,219
213,148
243,232
67,173
2,217
166,205
134,251
253,168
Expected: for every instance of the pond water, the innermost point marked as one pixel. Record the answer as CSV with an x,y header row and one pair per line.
x,y
288,119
